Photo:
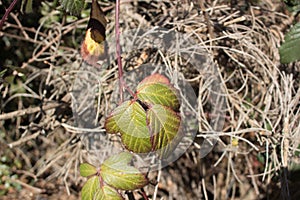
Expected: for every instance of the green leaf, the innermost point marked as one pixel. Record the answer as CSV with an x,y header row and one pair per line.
x,y
129,119
156,89
74,7
164,125
28,6
2,73
90,188
158,93
289,50
87,169
107,193
116,172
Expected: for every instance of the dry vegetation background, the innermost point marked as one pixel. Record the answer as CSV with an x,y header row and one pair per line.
x,y
257,155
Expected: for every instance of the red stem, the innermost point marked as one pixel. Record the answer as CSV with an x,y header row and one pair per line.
x,y
118,52
143,193
11,6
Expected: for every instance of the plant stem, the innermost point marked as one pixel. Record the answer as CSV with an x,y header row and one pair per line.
x,y
11,6
118,52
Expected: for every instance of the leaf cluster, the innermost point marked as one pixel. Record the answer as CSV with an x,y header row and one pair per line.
x,y
150,122
114,174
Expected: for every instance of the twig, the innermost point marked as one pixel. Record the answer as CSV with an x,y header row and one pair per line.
x,y
27,111
156,186
20,38
204,188
143,193
20,25
118,51
57,38
11,6
73,129
24,139
250,166
29,187
284,180
209,27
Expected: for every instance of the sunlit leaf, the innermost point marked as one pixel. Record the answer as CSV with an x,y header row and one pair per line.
x,y
90,188
129,119
158,93
290,49
87,169
107,193
117,172
164,125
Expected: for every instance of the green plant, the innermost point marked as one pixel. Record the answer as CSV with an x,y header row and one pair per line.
x,y
150,122
114,174
289,50
7,166
74,7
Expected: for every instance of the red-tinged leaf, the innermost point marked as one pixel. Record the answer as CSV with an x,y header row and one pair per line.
x,y
164,125
159,93
155,78
87,169
107,193
129,119
90,188
117,172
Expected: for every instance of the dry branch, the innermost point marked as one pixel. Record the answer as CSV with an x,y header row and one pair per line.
x,y
28,111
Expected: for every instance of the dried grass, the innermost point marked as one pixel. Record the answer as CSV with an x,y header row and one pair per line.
x,y
261,100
